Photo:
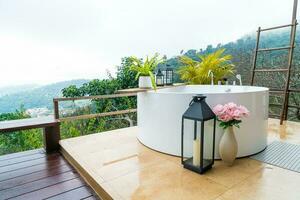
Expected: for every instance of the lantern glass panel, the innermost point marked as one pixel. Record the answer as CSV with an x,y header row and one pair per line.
x,y
159,78
208,157
188,139
169,76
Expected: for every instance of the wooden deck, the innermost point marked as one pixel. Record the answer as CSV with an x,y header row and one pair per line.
x,y
117,166
34,175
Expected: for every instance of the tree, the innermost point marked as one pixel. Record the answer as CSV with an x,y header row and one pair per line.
x,y
198,72
125,76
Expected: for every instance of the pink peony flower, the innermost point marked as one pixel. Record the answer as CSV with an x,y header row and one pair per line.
x,y
237,114
244,111
230,111
218,109
231,105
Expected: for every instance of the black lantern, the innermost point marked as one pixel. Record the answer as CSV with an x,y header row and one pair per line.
x,y
198,146
159,78
169,75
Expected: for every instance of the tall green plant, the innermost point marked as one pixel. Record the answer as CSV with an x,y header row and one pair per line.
x,y
198,72
145,68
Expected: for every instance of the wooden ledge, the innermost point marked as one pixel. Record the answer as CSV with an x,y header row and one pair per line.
x,y
30,123
136,90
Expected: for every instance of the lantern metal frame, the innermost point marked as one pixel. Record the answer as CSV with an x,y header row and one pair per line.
x,y
159,74
169,76
205,164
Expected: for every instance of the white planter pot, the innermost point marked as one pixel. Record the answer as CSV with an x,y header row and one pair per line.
x,y
145,82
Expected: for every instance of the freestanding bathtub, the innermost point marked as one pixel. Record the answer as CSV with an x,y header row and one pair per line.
x,y
160,113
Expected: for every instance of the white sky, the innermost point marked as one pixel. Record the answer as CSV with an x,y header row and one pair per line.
x,y
49,41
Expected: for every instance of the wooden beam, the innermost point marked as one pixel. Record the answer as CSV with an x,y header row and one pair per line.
x,y
271,70
255,56
275,49
88,116
276,27
109,96
137,90
24,124
56,109
51,138
284,112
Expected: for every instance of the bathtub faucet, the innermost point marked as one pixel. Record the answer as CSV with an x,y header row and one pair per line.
x,y
239,77
211,75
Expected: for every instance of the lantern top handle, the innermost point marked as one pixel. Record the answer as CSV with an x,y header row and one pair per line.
x,y
198,98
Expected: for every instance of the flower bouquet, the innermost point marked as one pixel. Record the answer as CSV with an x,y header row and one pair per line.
x,y
229,115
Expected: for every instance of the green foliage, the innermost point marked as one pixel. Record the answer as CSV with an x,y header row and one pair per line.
x,y
145,68
125,79
125,76
198,72
19,140
234,122
71,91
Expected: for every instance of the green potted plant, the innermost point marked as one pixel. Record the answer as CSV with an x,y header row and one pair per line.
x,y
199,72
145,70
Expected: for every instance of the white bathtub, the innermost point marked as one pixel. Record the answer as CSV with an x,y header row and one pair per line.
x,y
160,112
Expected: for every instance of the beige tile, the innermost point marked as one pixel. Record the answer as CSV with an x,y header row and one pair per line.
x,y
269,183
126,169
288,132
232,175
123,167
220,198
166,181
109,189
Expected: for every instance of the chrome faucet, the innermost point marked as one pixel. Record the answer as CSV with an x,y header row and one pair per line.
x,y
211,75
239,77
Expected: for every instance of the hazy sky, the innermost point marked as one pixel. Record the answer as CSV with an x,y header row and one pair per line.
x,y
48,41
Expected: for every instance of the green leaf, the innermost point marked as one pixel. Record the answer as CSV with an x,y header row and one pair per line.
x,y
196,72
144,68
152,80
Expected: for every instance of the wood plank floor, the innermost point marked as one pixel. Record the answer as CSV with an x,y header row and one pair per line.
x,y
33,175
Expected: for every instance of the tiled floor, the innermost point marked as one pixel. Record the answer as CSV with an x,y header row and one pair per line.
x,y
125,169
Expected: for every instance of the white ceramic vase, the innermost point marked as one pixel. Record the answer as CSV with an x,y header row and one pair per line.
x,y
145,82
228,146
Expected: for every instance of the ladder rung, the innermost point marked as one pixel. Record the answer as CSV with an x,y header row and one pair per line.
x,y
282,91
274,90
276,27
271,70
274,49
275,104
294,90
294,106
279,105
274,115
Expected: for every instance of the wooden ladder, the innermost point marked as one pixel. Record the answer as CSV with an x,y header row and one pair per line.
x,y
286,90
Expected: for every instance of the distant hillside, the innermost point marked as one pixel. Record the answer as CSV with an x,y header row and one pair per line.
x,y
35,98
16,89
242,53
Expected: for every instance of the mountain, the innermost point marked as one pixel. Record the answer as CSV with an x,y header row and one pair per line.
x,y
35,97
16,89
242,55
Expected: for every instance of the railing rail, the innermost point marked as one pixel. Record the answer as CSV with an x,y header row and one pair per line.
x,y
88,116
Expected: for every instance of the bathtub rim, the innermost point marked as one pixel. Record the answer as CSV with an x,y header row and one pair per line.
x,y
167,90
